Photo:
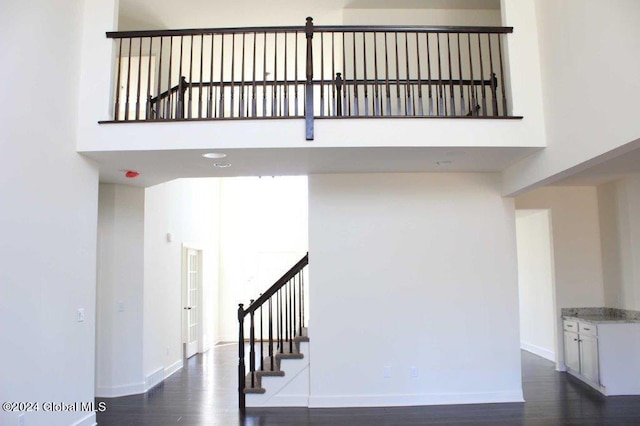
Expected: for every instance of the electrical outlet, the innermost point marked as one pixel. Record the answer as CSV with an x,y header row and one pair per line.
x,y
21,419
414,371
120,306
386,372
80,315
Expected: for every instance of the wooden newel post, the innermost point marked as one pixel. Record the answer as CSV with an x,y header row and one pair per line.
x,y
241,372
308,111
181,91
339,94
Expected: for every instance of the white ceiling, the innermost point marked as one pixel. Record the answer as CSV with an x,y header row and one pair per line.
x,y
160,166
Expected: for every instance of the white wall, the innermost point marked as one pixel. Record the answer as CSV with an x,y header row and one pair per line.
x,y
589,84
535,283
188,209
49,199
264,232
120,278
412,270
619,204
576,247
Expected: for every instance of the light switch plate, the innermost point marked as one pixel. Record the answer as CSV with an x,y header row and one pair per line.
x,y
80,316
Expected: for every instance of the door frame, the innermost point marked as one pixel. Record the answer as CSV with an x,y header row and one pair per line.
x,y
183,295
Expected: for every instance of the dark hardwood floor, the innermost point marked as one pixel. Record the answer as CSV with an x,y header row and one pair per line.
x,y
203,393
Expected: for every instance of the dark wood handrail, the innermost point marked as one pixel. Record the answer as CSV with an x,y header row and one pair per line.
x,y
320,29
410,28
278,284
203,31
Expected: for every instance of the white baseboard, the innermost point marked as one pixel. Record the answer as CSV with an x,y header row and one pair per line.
x,y
88,420
122,390
176,366
395,400
537,350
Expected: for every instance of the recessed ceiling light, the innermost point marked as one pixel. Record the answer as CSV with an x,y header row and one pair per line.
x,y
214,155
443,163
222,165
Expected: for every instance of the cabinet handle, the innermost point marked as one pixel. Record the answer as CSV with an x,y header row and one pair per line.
x,y
587,329
575,340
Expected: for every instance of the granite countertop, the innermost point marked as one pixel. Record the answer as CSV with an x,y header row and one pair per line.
x,y
602,315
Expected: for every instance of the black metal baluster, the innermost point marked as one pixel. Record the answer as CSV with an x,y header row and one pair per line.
x,y
201,71
210,112
148,107
264,79
321,74
339,94
241,104
482,85
241,366
137,115
280,326
441,105
180,105
190,106
295,311
233,76
364,58
302,295
261,339
345,105
300,304
503,88
290,317
285,98
333,73
452,99
254,105
420,106
126,102
472,98
252,347
376,87
494,97
296,80
386,65
429,75
221,107
270,334
356,104
160,74
274,88
462,106
116,111
407,96
399,101
168,106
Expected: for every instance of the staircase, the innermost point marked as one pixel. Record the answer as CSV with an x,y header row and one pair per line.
x,y
278,340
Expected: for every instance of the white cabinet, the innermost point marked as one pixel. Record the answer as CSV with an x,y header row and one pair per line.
x,y
581,350
572,351
589,357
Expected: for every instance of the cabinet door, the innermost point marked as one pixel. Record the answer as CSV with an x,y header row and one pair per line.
x,y
589,358
572,351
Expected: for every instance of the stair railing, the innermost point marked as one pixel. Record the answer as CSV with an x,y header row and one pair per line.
x,y
282,308
311,72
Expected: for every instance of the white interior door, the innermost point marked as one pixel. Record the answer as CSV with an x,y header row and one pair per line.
x,y
191,300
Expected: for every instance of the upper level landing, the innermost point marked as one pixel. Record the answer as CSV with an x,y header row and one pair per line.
x,y
322,99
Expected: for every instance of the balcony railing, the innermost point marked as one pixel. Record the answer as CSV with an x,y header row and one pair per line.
x,y
310,72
